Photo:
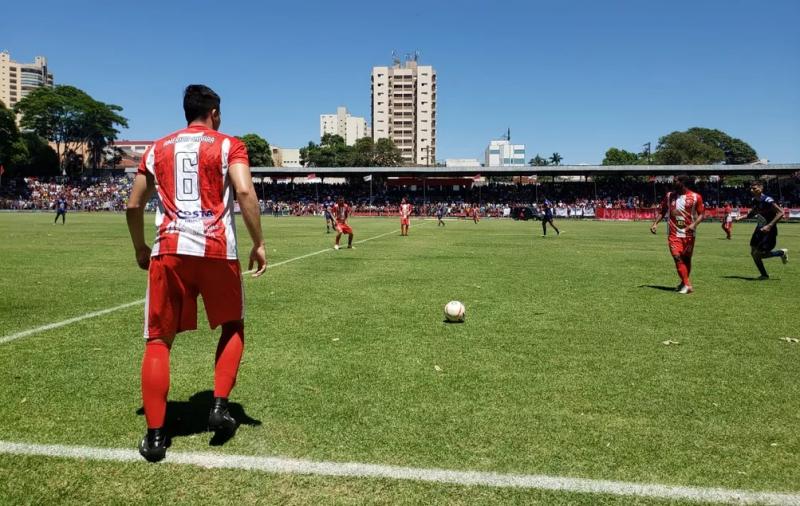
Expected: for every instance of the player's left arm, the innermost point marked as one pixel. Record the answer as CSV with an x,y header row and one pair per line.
x,y
776,219
701,213
142,191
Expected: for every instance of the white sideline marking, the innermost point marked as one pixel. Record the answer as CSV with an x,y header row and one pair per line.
x,y
282,465
50,326
56,325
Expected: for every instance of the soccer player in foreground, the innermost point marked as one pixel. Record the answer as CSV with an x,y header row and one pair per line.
x,y
727,220
341,211
767,214
197,170
684,210
405,216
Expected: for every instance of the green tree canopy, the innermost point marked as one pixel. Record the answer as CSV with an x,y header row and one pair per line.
x,y
333,152
10,146
555,159
616,156
702,146
538,161
71,119
258,150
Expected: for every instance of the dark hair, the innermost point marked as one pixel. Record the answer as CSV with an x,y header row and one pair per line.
x,y
198,101
758,183
683,179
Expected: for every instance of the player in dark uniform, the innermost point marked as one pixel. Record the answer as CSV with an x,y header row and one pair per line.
x,y
767,214
61,210
330,223
547,217
440,212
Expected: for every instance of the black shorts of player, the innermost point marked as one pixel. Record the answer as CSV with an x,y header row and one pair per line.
x,y
764,241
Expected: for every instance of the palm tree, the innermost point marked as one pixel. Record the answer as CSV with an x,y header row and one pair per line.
x,y
538,161
556,159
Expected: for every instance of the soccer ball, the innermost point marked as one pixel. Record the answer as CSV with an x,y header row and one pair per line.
x,y
454,311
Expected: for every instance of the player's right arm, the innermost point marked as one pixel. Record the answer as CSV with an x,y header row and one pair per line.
x,y
662,211
242,181
143,188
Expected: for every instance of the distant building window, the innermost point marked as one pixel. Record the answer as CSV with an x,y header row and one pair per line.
x,y
494,151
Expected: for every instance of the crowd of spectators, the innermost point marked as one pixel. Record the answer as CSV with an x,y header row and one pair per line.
x,y
572,198
85,194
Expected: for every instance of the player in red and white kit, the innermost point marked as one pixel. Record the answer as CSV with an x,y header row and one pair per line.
x,y
196,171
727,220
684,210
341,211
405,216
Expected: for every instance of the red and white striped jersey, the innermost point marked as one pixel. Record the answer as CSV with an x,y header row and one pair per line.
x,y
681,211
341,212
195,199
405,210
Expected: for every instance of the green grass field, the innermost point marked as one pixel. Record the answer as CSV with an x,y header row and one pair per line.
x,y
559,369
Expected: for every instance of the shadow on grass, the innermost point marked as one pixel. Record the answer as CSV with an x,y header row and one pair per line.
x,y
659,287
743,278
186,418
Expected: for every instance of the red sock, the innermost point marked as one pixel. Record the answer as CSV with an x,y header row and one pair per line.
x,y
683,272
155,382
229,354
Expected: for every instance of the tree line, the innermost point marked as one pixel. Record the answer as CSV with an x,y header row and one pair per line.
x,y
695,146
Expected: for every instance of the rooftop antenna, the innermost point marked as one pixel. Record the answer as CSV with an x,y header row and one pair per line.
x,y
395,59
506,136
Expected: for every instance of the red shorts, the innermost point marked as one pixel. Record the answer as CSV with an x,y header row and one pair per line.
x,y
404,221
175,281
344,228
681,246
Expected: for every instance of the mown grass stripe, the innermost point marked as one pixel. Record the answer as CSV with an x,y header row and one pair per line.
x,y
94,314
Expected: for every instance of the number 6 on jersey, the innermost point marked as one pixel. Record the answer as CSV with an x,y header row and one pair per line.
x,y
186,187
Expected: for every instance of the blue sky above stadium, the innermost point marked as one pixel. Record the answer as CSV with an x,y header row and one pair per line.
x,y
574,77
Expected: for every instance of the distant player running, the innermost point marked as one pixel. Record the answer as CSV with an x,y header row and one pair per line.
x,y
341,211
727,220
547,217
61,210
197,171
440,212
476,214
684,211
405,216
767,214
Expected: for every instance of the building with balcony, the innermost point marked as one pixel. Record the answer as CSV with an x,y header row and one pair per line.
x,y
350,128
19,79
404,109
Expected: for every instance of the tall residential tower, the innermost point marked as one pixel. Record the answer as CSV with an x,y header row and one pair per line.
x,y
404,109
19,79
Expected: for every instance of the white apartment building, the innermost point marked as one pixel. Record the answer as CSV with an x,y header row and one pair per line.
x,y
350,128
502,152
286,157
404,109
19,79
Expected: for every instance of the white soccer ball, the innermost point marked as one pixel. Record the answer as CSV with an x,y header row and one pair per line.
x,y
454,311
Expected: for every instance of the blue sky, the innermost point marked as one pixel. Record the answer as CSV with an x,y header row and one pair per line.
x,y
574,77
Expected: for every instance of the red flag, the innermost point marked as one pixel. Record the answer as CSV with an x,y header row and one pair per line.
x,y
311,176
477,177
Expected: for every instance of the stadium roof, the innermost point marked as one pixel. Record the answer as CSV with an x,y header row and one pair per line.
x,y
558,170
